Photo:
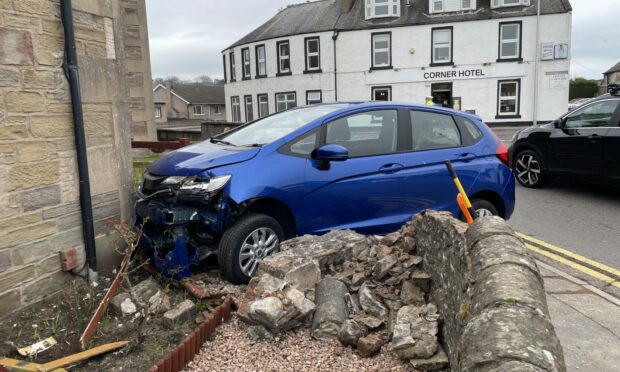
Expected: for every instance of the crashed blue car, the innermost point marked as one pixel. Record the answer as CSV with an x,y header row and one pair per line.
x,y
363,166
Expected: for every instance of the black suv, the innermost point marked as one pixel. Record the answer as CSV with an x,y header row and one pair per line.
x,y
584,143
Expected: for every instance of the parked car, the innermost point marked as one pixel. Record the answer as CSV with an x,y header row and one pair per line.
x,y
574,103
367,167
584,143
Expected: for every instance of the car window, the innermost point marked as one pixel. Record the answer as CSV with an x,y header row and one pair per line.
x,y
305,145
597,114
472,129
365,134
433,131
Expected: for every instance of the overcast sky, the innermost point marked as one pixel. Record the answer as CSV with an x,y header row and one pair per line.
x,y
187,36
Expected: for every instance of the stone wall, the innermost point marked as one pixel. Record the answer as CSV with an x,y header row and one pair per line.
x,y
39,208
490,295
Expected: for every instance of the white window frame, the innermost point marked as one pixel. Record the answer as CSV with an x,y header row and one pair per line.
x,y
437,45
372,5
509,41
388,89
314,101
508,3
387,50
282,58
247,63
260,101
261,61
249,111
235,109
471,4
313,54
233,67
217,109
285,98
158,112
440,6
516,97
199,110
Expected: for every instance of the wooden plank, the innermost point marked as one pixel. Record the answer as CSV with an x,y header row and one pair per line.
x,y
71,359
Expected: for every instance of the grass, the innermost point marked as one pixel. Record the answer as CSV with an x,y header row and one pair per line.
x,y
139,166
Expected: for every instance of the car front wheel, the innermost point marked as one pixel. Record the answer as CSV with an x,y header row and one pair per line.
x,y
528,169
244,245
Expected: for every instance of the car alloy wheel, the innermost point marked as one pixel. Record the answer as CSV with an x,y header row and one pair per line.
x,y
528,170
259,244
483,212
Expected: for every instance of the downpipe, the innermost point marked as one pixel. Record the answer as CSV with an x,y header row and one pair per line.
x,y
71,70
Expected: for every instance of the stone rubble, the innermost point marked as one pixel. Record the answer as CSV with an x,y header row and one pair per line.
x,y
366,292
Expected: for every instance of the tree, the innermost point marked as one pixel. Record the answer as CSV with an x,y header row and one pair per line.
x,y
583,88
203,79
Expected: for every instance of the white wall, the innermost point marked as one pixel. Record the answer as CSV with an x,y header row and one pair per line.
x,y
475,46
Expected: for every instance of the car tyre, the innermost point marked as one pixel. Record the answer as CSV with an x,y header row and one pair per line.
x,y
484,208
253,237
528,169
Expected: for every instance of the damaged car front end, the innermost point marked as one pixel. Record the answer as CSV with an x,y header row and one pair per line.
x,y
182,219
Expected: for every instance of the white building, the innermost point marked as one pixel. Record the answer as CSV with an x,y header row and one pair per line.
x,y
472,55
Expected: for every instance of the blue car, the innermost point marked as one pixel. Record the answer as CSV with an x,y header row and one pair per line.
x,y
363,166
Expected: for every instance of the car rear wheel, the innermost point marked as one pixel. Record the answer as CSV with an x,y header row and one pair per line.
x,y
528,169
244,245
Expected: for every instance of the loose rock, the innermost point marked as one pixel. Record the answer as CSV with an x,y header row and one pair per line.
x,y
350,332
181,313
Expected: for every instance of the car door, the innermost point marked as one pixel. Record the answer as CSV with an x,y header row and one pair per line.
x,y
364,192
436,138
576,147
611,148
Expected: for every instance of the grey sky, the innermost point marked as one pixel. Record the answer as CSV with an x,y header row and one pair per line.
x,y
187,36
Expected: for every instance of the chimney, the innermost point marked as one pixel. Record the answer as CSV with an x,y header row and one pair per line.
x,y
346,5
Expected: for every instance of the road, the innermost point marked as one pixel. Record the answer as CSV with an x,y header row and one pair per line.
x,y
577,216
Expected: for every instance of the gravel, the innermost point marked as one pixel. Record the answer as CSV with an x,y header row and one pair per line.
x,y
231,349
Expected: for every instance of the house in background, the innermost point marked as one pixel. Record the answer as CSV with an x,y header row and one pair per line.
x,y
611,76
186,104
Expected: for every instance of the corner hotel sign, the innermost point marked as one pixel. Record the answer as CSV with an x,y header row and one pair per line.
x,y
431,74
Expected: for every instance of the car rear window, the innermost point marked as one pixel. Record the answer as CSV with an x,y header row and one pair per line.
x,y
432,131
472,129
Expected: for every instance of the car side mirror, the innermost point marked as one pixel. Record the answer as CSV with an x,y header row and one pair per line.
x,y
332,153
557,123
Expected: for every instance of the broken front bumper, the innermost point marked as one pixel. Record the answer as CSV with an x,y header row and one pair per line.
x,y
179,227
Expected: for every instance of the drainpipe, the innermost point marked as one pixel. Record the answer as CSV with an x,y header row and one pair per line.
x,y
536,64
73,76
334,38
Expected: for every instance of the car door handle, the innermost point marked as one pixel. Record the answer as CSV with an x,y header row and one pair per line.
x,y
391,168
466,157
595,138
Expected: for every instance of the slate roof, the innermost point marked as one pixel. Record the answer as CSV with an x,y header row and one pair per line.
x,y
200,93
616,68
327,15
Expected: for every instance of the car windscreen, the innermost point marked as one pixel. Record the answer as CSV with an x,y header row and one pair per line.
x,y
276,126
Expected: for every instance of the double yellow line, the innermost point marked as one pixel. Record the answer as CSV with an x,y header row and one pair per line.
x,y
594,269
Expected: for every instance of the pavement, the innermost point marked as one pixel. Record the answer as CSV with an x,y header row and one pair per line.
x,y
572,228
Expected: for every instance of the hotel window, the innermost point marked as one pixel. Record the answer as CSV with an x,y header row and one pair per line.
x,y
381,50
442,45
199,110
508,93
313,55
235,109
233,71
502,3
509,41
157,112
261,61
245,56
249,109
313,97
284,58
263,105
382,8
285,101
439,6
382,93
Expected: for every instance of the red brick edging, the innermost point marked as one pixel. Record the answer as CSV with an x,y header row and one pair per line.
x,y
178,358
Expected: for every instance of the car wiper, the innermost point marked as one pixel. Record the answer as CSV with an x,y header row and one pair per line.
x,y
215,140
254,145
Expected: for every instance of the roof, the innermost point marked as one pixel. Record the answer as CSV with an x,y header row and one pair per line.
x,y
198,93
328,15
616,68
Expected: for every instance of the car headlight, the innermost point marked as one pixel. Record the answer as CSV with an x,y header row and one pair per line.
x,y
173,181
211,185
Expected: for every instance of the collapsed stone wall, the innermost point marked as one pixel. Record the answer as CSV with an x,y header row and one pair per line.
x,y
489,294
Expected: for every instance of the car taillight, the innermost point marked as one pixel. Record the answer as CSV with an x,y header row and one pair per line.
x,y
502,153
